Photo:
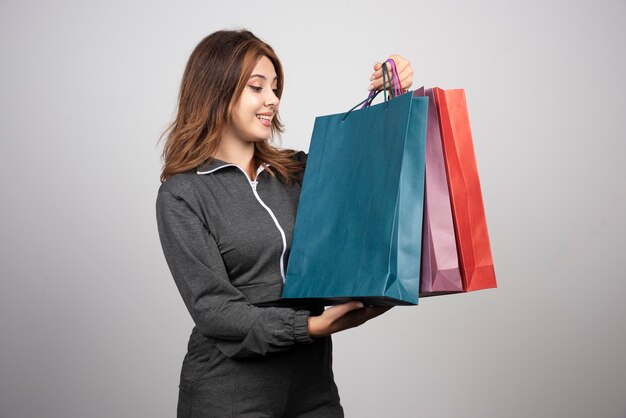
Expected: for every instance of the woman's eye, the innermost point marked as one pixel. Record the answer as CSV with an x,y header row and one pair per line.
x,y
256,89
275,91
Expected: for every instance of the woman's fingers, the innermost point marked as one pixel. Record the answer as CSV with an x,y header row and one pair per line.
x,y
374,311
356,317
338,311
341,317
403,68
376,79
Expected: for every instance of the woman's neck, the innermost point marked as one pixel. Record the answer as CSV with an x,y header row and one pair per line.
x,y
239,153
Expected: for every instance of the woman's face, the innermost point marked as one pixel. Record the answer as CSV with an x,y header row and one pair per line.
x,y
253,113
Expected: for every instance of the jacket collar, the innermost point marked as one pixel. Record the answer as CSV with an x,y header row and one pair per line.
x,y
214,164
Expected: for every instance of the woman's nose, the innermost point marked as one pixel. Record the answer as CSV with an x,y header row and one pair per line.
x,y
271,99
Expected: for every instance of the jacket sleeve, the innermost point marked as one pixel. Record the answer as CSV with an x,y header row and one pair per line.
x,y
219,309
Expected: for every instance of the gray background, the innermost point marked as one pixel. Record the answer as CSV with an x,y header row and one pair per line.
x,y
91,324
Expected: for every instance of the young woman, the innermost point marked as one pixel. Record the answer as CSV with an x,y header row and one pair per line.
x,y
225,212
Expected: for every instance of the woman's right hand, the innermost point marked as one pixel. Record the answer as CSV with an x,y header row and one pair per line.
x,y
340,317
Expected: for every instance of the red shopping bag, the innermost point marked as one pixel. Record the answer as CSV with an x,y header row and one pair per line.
x,y
468,212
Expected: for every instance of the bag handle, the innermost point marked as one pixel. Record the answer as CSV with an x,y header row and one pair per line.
x,y
368,101
373,93
386,80
397,87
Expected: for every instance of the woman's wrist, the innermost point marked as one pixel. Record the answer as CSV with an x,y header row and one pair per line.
x,y
313,329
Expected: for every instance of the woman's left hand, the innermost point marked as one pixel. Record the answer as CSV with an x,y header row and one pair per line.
x,y
403,67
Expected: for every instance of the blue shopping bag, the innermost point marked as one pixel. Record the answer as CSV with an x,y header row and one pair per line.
x,y
358,229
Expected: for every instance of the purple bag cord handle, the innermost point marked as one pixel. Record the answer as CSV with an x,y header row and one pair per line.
x,y
397,88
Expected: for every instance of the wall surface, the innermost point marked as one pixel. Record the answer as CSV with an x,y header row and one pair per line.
x,y
91,323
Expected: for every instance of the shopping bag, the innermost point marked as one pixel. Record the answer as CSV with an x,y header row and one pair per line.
x,y
475,259
440,271
359,221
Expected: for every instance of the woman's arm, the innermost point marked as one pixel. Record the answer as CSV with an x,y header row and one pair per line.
x,y
219,309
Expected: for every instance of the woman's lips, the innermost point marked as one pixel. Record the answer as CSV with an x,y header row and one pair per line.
x,y
265,120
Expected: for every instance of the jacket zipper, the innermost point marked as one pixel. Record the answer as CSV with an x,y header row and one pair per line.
x,y
253,184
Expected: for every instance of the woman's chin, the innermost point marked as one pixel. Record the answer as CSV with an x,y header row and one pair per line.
x,y
261,137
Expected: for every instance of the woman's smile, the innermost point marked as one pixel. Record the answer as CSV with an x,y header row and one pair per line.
x,y
265,118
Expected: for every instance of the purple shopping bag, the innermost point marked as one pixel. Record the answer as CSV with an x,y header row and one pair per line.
x,y
440,272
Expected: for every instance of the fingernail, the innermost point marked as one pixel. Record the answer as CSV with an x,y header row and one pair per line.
x,y
360,305
371,87
372,77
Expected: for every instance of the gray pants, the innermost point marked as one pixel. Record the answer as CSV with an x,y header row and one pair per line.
x,y
295,383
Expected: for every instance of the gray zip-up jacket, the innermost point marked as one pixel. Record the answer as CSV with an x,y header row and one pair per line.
x,y
226,240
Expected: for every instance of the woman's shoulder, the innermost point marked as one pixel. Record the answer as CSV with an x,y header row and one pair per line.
x,y
180,184
300,156
181,190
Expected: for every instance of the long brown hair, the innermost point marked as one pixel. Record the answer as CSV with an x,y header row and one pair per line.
x,y
215,76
